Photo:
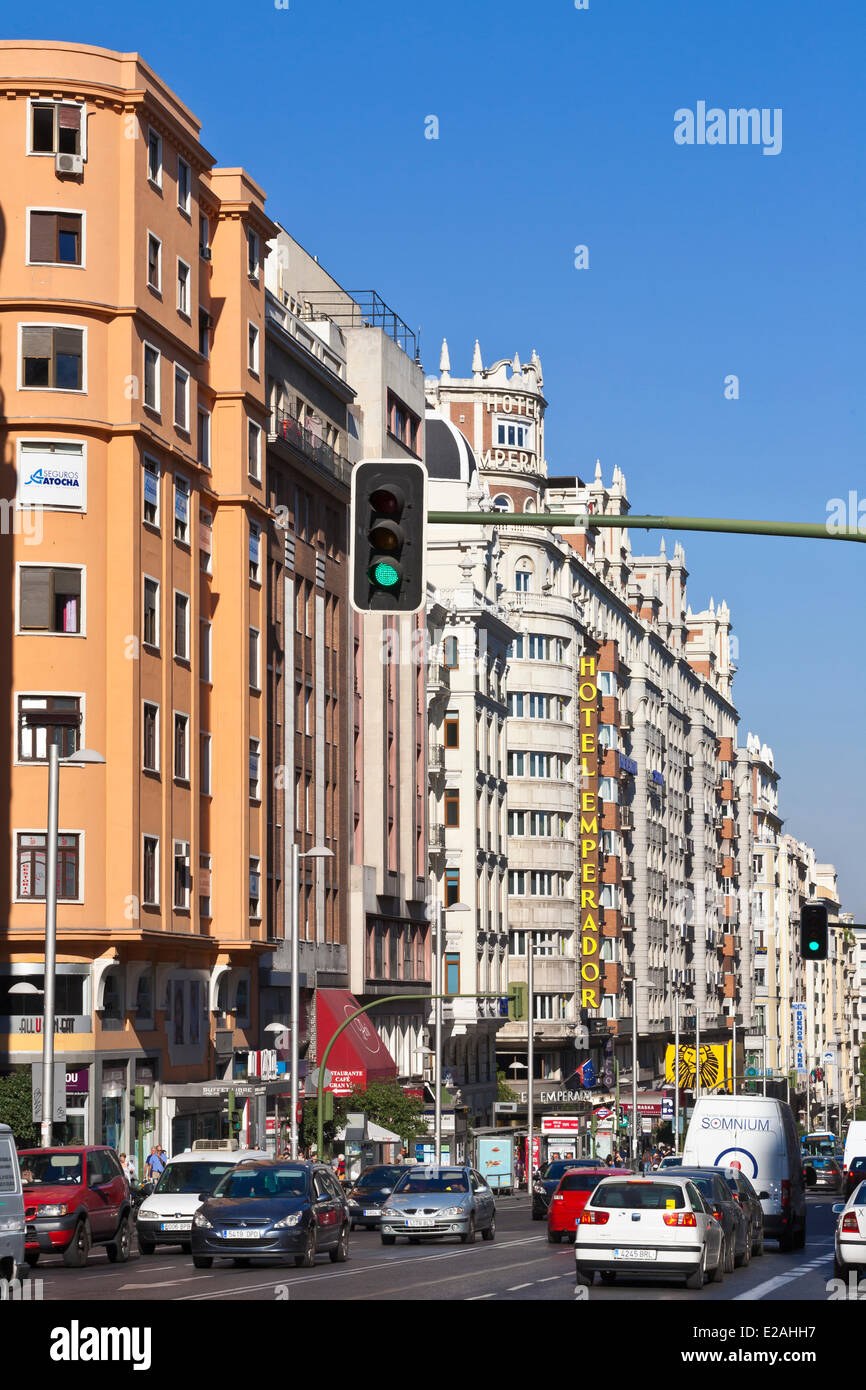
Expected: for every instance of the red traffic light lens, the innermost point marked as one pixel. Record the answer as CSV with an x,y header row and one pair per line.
x,y
385,501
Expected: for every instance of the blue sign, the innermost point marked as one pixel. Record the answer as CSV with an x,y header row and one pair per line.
x,y
657,778
627,764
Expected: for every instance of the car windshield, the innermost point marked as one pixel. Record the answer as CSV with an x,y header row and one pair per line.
x,y
192,1177
379,1178
274,1181
580,1182
554,1171
447,1181
51,1169
642,1196
858,1165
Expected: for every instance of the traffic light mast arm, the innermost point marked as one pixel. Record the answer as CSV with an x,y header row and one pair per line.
x,y
383,999
582,521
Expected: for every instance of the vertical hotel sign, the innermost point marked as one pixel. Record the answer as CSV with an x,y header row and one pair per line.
x,y
590,915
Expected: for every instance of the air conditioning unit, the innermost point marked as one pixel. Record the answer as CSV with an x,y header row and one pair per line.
x,y
68,164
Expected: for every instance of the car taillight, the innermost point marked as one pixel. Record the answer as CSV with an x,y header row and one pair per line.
x,y
786,1192
680,1218
594,1218
717,1213
849,1223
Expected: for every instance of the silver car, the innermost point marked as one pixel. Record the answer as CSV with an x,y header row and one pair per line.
x,y
431,1200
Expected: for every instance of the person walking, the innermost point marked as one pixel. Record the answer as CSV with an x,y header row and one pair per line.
x,y
128,1166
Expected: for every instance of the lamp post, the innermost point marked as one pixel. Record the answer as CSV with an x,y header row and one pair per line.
x,y
441,909
317,852
676,1072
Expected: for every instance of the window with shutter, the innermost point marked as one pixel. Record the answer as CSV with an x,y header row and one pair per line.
x,y
36,602
43,236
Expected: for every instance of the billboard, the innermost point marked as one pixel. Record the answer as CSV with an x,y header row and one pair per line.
x,y
716,1066
52,475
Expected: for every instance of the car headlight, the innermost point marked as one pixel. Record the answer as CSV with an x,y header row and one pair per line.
x,y
147,1214
291,1220
390,1211
11,1224
453,1211
54,1209
201,1220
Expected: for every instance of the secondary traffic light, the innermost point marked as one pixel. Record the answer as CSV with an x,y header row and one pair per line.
x,y
386,541
814,931
518,1001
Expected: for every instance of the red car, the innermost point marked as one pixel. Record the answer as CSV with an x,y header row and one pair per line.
x,y
569,1200
74,1198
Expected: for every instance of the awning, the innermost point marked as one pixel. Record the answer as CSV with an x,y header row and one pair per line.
x,y
375,1135
359,1055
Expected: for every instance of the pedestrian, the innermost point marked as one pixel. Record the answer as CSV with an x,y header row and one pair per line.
x,y
128,1166
155,1166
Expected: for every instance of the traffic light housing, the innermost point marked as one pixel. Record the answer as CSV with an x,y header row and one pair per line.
x,y
518,1001
386,537
814,931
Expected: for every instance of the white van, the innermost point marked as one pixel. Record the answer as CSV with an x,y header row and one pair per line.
x,y
855,1142
757,1135
165,1218
12,1224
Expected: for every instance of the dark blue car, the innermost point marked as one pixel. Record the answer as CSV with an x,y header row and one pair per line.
x,y
272,1210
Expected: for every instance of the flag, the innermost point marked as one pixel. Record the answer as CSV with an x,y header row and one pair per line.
x,y
586,1074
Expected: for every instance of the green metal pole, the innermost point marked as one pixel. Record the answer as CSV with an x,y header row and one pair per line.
x,y
384,999
582,521
616,1105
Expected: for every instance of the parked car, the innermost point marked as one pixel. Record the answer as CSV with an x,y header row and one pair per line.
x,y
165,1215
439,1201
855,1144
272,1209
12,1229
746,1197
854,1174
546,1181
75,1198
849,1251
658,1225
671,1161
736,1227
828,1174
569,1200
368,1193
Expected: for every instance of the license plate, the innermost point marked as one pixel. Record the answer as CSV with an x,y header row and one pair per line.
x,y
421,1221
175,1226
634,1254
241,1235
371,1211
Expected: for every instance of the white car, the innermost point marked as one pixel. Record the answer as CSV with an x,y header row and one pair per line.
x,y
165,1217
850,1249
657,1225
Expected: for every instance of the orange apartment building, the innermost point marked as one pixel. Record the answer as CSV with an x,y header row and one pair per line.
x,y
134,428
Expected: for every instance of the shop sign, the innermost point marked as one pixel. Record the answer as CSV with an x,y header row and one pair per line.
x,y
561,1124
590,914
78,1081
32,1023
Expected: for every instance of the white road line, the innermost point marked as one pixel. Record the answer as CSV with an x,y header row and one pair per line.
x,y
477,1297
515,1287
551,1278
780,1280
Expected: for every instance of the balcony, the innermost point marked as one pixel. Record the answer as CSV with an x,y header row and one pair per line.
x,y
626,818
435,838
311,445
360,309
435,759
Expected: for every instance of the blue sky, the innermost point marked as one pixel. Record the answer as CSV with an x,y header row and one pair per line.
x,y
556,129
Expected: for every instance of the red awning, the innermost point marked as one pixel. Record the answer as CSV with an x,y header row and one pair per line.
x,y
359,1055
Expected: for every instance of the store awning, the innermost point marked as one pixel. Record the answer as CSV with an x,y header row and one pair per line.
x,y
375,1135
359,1055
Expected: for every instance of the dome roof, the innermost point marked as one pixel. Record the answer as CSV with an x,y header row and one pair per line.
x,y
447,451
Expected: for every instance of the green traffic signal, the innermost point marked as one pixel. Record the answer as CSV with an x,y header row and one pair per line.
x,y
814,931
518,1001
387,536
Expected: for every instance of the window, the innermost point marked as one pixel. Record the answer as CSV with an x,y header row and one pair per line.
x,y
181,508
50,600
253,348
523,576
502,503
149,877
255,548
517,822
181,626
154,157
203,441
181,876
517,943
206,541
204,885
206,640
515,704
539,707
450,657
56,238
203,237
181,398
150,624
204,332
255,891
255,768
57,128
154,262
540,823
252,255
606,683
152,378
183,184
452,808
516,764
151,492
254,437
540,765
512,435
205,761
181,747
254,658
452,730
515,650
150,737
31,852
452,973
403,424
452,887
52,359
64,728
182,287
550,1006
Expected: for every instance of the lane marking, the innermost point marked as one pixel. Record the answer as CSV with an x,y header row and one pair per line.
x,y
515,1287
166,1283
780,1280
476,1297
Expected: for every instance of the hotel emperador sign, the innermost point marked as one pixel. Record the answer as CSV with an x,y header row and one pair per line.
x,y
590,912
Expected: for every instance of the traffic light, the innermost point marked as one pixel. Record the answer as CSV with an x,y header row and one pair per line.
x,y
518,1001
813,931
235,1116
386,540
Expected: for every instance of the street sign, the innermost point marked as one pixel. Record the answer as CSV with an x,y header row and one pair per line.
x,y
312,1080
59,1092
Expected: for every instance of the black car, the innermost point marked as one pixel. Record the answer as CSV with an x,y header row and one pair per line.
x,y
855,1174
747,1198
367,1193
713,1187
275,1210
546,1181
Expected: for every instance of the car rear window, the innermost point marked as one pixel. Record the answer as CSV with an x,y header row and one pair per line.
x,y
641,1196
580,1182
858,1165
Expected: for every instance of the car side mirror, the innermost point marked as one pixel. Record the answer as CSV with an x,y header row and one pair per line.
x,y
763,1196
204,1196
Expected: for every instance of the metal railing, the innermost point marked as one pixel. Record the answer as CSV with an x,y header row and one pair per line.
x,y
360,309
311,445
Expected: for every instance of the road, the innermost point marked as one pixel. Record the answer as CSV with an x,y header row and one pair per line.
x,y
520,1265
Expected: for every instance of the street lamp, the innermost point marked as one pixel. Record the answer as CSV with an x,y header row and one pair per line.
x,y
317,852
441,909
